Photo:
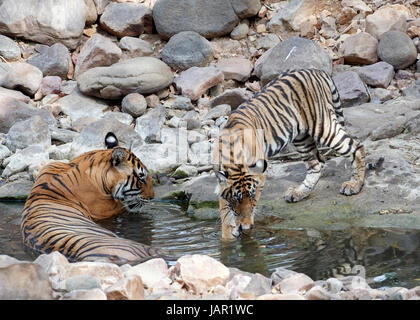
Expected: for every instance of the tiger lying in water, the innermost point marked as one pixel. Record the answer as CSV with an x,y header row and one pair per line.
x,y
67,198
301,107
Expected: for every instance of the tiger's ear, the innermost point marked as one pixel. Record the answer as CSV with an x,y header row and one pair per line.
x,y
111,140
118,156
259,167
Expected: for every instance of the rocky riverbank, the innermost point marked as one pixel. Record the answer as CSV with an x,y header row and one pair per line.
x,y
164,76
192,277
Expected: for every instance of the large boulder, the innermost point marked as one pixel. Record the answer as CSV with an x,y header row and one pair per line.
x,y
142,75
360,48
396,48
385,19
209,18
52,61
351,88
98,51
187,49
293,53
44,21
126,19
378,74
20,75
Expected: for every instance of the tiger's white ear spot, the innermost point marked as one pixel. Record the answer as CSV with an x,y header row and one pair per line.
x,y
111,140
260,163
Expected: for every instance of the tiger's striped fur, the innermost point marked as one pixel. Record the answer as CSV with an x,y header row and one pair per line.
x,y
67,198
301,107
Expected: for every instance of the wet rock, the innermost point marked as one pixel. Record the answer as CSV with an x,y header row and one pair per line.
x,y
351,88
149,125
396,48
246,8
199,272
98,51
24,281
195,81
235,68
20,75
379,74
31,132
134,104
232,97
385,19
82,282
142,75
293,53
187,49
9,49
33,20
52,61
92,294
134,47
185,171
16,190
296,283
126,19
128,288
360,49
29,158
76,106
210,19
240,31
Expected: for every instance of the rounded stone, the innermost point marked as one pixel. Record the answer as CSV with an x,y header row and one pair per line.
x,y
396,48
187,49
134,104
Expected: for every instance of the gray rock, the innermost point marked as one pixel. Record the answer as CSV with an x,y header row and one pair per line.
x,y
98,51
119,116
210,19
14,94
182,103
82,282
29,158
235,68
158,157
30,132
13,110
44,21
134,47
63,135
142,75
293,53
412,90
24,281
149,125
50,85
126,19
381,95
240,31
187,49
101,5
93,135
134,104
20,75
218,111
396,48
9,49
195,81
351,88
246,8
16,190
232,97
185,171
267,41
379,74
52,61
4,152
385,19
77,105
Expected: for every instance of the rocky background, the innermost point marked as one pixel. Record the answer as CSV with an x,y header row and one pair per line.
x,y
163,75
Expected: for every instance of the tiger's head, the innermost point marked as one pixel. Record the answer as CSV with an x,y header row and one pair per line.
x,y
131,182
240,181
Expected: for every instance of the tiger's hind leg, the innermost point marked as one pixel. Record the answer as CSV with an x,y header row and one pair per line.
x,y
314,165
345,145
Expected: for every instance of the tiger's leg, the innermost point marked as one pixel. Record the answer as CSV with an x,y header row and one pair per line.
x,y
345,145
314,165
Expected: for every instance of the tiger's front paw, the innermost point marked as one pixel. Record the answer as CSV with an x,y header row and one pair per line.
x,y
295,195
350,188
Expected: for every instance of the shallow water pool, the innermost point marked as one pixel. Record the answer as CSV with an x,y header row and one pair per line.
x,y
390,256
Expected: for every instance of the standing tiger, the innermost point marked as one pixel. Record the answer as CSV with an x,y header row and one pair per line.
x,y
67,198
301,107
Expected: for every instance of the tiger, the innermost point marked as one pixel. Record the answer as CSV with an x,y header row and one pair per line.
x,y
67,198
299,107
